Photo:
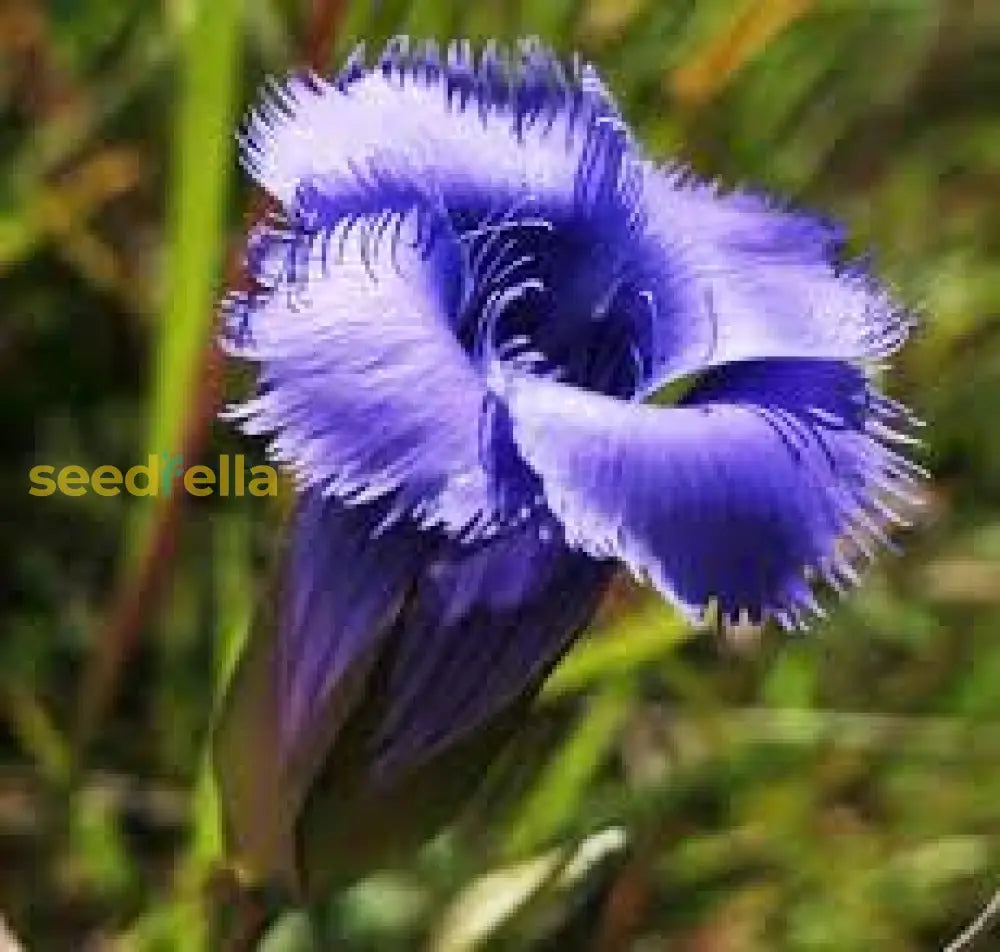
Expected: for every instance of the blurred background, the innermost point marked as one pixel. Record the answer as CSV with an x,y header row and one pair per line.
x,y
839,791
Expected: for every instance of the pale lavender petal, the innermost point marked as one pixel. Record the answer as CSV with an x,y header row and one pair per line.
x,y
771,472
364,391
750,279
475,130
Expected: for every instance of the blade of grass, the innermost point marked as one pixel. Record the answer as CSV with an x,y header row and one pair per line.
x,y
202,169
752,27
210,47
553,798
182,921
206,847
620,648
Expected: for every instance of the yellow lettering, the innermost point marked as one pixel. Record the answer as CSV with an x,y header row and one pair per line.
x,y
73,480
106,480
42,483
267,476
151,471
198,481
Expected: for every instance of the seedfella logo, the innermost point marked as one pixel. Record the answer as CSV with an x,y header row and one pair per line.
x,y
158,476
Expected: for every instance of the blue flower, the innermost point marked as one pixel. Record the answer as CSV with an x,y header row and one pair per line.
x,y
467,310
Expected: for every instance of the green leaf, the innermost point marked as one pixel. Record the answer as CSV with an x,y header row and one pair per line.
x,y
203,163
554,798
620,648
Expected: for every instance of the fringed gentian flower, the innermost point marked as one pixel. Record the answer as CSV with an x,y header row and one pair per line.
x,y
469,308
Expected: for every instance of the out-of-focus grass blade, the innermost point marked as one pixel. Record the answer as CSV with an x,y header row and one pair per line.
x,y
96,838
482,909
557,793
209,77
751,28
293,932
609,18
622,647
37,732
210,48
486,903
268,30
554,20
60,211
234,599
69,130
182,922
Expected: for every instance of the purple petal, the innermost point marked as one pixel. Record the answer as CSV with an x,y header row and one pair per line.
x,y
531,172
365,392
483,627
306,667
343,588
758,480
478,133
479,632
752,280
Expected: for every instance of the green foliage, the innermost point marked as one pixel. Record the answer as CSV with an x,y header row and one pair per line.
x,y
671,790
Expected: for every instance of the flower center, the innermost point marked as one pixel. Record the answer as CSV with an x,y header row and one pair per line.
x,y
553,297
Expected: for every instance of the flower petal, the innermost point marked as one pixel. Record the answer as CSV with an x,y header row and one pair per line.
x,y
484,626
364,390
532,173
754,483
481,133
385,668
480,632
304,670
752,280
343,589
